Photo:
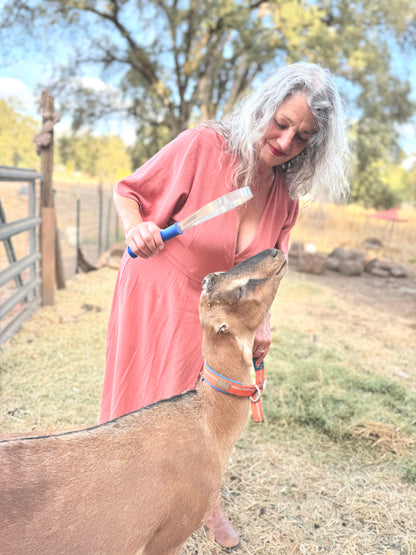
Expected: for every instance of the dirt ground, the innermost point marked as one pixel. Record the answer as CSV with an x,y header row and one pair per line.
x,y
395,296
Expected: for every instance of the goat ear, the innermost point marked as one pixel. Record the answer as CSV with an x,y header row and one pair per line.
x,y
210,280
222,328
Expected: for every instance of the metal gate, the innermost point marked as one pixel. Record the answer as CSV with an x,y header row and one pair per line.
x,y
20,280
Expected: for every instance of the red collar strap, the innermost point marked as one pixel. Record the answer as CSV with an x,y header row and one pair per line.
x,y
230,387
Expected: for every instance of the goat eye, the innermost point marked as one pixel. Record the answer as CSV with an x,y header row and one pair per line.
x,y
240,292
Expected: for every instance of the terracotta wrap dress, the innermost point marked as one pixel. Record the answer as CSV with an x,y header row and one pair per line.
x,y
154,334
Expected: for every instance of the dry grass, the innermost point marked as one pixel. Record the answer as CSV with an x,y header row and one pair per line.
x,y
356,328
51,371
330,226
308,498
383,435
333,469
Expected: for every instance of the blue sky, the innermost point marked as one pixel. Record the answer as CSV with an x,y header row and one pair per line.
x,y
23,81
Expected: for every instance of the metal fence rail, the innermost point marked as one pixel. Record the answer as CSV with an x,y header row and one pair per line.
x,y
86,224
20,281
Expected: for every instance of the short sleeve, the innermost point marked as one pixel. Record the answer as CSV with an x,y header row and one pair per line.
x,y
162,185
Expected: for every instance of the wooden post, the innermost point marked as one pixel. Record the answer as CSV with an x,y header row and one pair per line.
x,y
59,266
100,217
46,156
50,250
47,247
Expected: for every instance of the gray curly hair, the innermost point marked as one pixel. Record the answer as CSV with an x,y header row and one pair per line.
x,y
321,169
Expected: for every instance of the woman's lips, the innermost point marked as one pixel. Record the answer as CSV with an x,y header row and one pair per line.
x,y
276,152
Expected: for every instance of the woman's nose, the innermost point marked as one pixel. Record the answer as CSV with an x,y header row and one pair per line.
x,y
285,140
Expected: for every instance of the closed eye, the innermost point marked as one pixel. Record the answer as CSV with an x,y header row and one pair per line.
x,y
283,126
279,125
250,285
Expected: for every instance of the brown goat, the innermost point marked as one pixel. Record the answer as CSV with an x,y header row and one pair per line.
x,y
144,482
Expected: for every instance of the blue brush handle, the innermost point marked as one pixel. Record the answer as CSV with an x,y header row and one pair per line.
x,y
166,234
171,232
131,253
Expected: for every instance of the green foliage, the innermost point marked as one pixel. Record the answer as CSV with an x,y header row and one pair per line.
x,y
104,156
371,190
411,183
379,178
383,185
396,177
151,138
16,138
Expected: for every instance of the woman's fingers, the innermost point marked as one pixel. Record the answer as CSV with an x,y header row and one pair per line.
x,y
262,340
145,240
259,352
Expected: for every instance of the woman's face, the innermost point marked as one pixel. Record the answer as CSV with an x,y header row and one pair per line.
x,y
288,133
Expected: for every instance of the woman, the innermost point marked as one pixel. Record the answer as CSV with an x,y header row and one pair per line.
x,y
285,140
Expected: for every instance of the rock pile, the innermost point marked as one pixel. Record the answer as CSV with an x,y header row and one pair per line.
x,y
385,268
348,262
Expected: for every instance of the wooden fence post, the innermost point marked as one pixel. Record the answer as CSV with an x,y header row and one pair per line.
x,y
47,248
52,268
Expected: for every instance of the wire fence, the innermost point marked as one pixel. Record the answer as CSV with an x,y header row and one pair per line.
x,y
87,221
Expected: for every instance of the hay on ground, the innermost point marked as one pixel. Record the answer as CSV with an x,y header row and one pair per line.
x,y
383,435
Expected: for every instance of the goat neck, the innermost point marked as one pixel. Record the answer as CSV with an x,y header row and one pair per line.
x,y
233,304
231,357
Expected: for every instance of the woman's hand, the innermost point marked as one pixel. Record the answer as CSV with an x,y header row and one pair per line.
x,y
145,240
262,340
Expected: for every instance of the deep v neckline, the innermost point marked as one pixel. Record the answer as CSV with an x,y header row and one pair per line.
x,y
260,223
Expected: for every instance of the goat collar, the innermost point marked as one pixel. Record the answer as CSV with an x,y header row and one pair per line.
x,y
230,387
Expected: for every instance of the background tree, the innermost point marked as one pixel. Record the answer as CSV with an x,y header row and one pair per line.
x,y
105,156
16,138
411,183
171,63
